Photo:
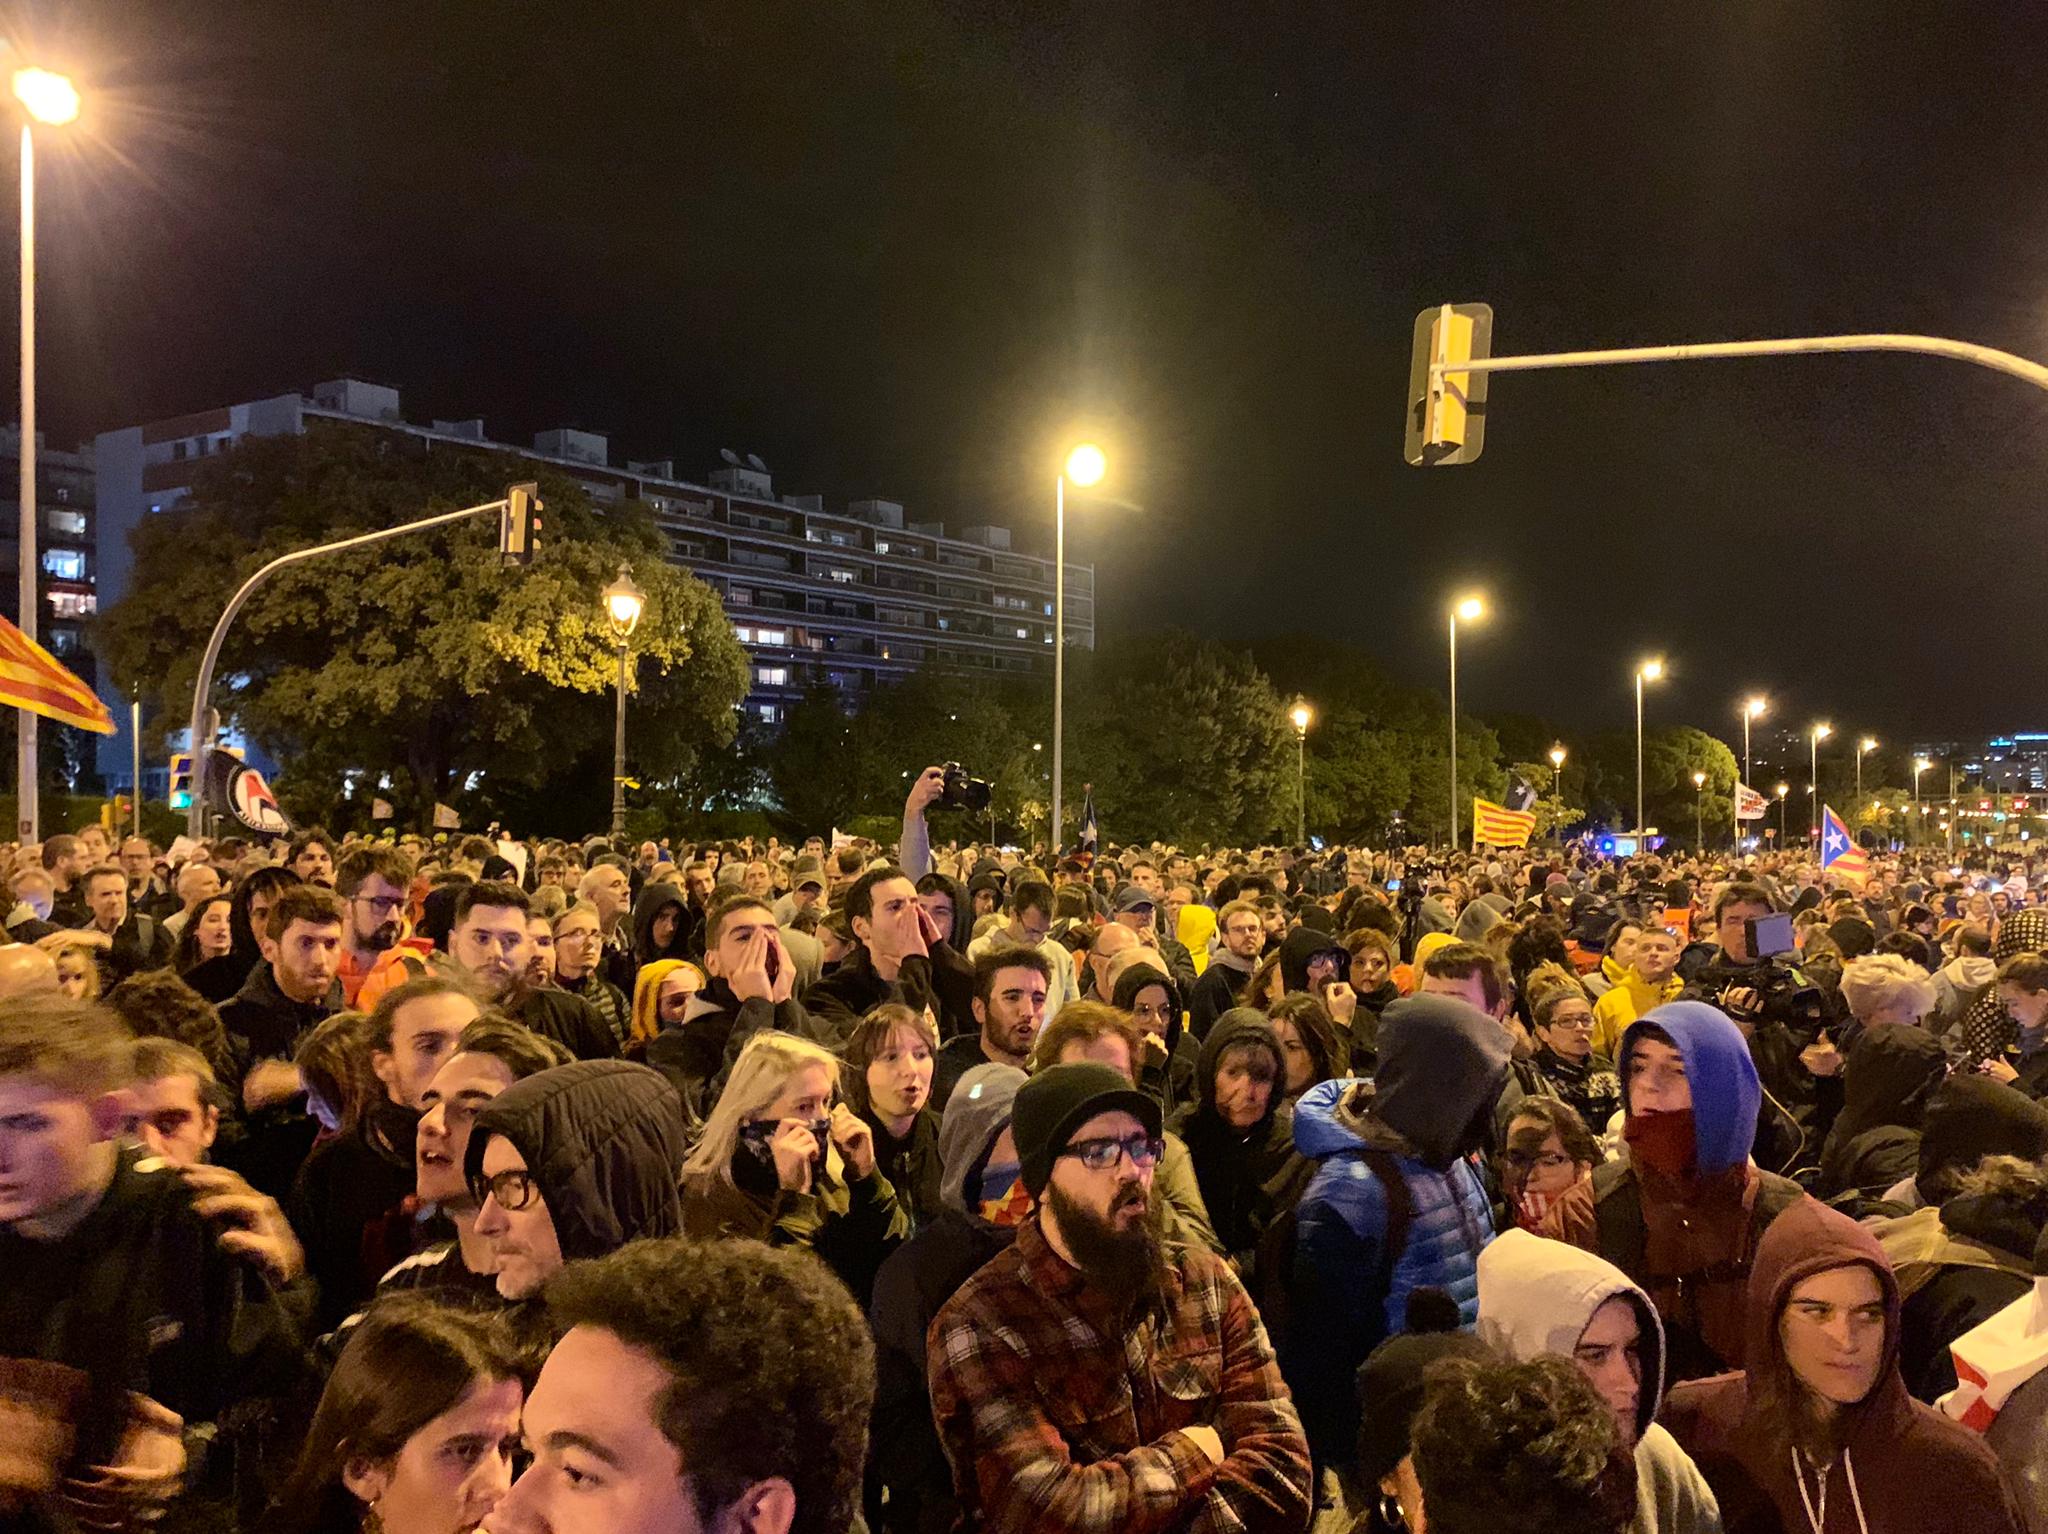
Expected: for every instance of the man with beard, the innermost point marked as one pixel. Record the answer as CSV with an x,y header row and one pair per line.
x,y
489,942
1094,1378
372,882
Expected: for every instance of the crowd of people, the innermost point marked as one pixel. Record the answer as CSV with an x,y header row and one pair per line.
x,y
432,1185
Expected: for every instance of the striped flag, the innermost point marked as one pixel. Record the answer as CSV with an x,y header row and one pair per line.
x,y
1839,853
1498,826
31,678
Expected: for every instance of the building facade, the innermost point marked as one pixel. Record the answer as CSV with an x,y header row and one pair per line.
x,y
66,556
850,599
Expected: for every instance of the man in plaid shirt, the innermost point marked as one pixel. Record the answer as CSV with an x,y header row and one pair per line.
x,y
1092,1378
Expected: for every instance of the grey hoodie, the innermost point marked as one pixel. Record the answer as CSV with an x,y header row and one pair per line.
x,y
1538,1296
975,1115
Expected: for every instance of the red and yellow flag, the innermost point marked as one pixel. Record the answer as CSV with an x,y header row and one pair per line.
x,y
31,678
1498,826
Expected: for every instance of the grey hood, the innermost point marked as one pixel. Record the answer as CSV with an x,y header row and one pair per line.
x,y
1478,918
1537,1296
975,1115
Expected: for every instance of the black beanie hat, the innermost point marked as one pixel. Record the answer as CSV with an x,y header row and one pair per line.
x,y
1058,1101
1390,1384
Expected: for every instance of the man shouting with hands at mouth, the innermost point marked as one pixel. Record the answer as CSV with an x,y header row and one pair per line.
x,y
900,957
752,977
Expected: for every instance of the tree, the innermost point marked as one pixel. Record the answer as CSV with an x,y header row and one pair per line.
x,y
1552,811
420,662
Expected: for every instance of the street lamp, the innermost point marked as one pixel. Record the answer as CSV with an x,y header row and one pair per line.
x,y
1699,800
1301,715
1648,671
1867,743
1752,709
1920,765
1085,466
623,604
51,99
1819,733
1471,610
1783,790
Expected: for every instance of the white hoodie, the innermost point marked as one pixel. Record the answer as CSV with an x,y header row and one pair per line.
x,y
1537,1296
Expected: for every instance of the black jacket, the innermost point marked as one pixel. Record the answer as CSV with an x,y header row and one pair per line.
x,y
911,1164
698,1054
1887,1080
1242,1173
1959,1295
1170,1071
607,999
569,1020
265,1024
604,1139
1214,994
652,901
346,1202
933,984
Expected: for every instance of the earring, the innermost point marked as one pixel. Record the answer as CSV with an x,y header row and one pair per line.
x,y
1390,1511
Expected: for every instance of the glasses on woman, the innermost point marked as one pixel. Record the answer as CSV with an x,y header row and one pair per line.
x,y
514,1191
1102,1154
1548,1161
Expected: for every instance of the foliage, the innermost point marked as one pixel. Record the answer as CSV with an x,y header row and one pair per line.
x,y
419,669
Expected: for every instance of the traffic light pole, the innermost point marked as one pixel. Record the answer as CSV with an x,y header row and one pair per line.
x,y
195,817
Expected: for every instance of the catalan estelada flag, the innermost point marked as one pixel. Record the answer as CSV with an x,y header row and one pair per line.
x,y
1498,826
1839,853
30,678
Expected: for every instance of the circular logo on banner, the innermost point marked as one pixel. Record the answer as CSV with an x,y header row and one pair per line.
x,y
254,804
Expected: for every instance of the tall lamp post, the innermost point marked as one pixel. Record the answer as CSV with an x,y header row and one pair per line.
x,y
1085,466
1783,790
1471,609
50,99
1699,811
1920,765
623,604
1751,709
1648,671
1867,743
1301,716
1815,736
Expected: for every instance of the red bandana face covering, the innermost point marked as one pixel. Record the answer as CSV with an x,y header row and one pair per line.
x,y
1664,1142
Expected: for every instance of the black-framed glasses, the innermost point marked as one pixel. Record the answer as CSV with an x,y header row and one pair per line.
x,y
1102,1154
1576,1024
383,905
514,1191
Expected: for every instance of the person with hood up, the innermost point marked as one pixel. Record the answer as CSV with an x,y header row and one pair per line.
x,y
1988,1029
664,925
1962,982
1540,1297
573,1162
982,1204
782,1161
1818,1432
1682,1216
1393,1205
1479,917
1171,1066
751,986
1241,1142
1887,1082
1968,1118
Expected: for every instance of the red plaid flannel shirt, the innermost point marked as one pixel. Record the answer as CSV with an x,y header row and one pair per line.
x,y
1058,1418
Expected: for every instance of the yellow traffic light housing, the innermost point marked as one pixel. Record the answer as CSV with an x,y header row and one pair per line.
x,y
1447,407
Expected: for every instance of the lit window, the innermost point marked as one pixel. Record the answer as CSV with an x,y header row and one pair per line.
x,y
64,564
743,634
772,636
771,676
843,577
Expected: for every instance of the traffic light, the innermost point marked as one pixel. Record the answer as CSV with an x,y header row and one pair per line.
x,y
1447,411
519,524
181,780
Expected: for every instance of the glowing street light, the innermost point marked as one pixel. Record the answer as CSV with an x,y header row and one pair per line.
x,y
1753,708
1920,765
623,604
1648,671
51,99
1783,790
1699,801
1086,465
1301,715
1819,733
1867,743
1466,610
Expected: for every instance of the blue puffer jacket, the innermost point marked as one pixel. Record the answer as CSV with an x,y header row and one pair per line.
x,y
1439,1073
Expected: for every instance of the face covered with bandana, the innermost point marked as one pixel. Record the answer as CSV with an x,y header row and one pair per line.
x,y
1003,1200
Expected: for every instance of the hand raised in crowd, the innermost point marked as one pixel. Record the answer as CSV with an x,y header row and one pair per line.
x,y
925,791
1821,1058
793,1145
254,1226
74,937
855,1140
767,973
921,934
270,1082
1342,1002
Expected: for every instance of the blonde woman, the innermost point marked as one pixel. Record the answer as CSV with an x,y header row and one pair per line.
x,y
1884,988
782,1160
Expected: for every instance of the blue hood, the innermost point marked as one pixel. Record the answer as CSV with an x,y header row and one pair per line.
x,y
1316,1130
1725,1092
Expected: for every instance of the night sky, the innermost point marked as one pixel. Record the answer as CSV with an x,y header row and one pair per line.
x,y
910,249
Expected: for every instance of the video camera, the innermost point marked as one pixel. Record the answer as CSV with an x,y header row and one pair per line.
x,y
962,792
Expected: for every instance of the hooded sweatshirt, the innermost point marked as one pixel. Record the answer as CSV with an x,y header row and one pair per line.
x,y
1391,1152
1240,1171
604,1139
1968,1118
655,899
1297,948
1683,1215
1901,1467
1170,1076
1537,1297
916,1281
1886,1082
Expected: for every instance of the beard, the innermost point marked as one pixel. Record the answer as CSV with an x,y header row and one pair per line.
x,y
1126,1262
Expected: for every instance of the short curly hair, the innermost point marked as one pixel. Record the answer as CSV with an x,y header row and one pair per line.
x,y
1883,982
771,1367
1527,1446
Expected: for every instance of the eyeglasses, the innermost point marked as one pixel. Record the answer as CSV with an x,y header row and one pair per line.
x,y
1522,1161
1577,1024
383,905
513,1191
1100,1155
